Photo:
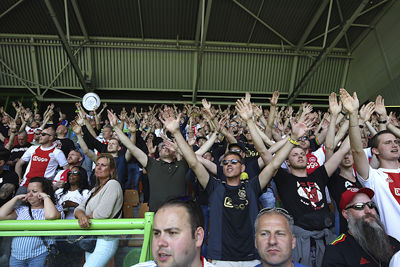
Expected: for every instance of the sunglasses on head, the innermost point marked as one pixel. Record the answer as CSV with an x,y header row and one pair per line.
x,y
232,161
304,138
236,150
279,210
361,205
75,173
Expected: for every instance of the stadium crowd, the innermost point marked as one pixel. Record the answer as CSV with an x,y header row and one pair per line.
x,y
276,186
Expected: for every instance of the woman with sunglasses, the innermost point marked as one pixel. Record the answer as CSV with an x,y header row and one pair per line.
x,y
37,204
105,202
74,192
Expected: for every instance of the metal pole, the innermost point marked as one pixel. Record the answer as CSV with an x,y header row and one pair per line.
x,y
327,23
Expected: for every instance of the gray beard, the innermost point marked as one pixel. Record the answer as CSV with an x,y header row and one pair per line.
x,y
371,237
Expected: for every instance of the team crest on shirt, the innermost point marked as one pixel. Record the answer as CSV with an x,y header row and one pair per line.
x,y
394,185
242,193
389,180
310,194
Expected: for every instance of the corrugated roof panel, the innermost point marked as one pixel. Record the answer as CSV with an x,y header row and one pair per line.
x,y
244,72
133,68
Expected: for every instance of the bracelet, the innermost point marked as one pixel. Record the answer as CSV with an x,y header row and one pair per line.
x,y
46,196
293,142
361,126
344,114
383,122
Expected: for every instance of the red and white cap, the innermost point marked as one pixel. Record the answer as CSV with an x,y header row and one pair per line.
x,y
349,194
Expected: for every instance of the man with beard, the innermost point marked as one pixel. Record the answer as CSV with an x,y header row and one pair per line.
x,y
365,243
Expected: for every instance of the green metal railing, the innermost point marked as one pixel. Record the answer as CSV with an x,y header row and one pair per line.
x,y
71,227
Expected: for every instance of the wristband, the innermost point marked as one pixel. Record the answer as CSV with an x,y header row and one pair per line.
x,y
383,122
46,196
361,126
344,114
293,142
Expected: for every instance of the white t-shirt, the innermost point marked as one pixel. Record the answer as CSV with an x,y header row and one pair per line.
x,y
386,185
43,162
73,196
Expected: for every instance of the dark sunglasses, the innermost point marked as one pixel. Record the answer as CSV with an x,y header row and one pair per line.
x,y
75,173
37,133
361,205
232,161
304,138
245,131
44,134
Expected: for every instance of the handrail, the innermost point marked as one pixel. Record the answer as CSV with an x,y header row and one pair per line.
x,y
71,227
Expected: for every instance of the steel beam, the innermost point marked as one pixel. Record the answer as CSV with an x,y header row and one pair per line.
x,y
14,75
66,46
373,23
341,21
312,24
383,54
35,67
255,21
203,37
327,23
80,19
11,8
263,23
140,19
323,55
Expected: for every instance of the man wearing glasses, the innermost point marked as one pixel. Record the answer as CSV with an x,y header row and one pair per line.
x,y
366,242
274,238
42,160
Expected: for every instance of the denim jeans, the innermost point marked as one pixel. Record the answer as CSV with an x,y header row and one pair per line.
x,y
37,261
133,176
105,249
268,199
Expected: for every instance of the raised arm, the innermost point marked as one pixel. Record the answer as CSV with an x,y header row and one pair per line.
x,y
332,164
272,113
381,111
136,152
245,111
172,125
334,109
351,104
298,130
77,129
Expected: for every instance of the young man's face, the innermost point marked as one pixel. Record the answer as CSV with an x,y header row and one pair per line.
x,y
232,167
113,146
347,161
388,147
173,241
297,158
273,239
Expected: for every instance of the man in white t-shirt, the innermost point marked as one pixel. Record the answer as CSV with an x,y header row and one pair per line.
x,y
385,181
42,160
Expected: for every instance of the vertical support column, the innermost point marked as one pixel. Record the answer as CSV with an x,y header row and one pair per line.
x,y
293,74
35,66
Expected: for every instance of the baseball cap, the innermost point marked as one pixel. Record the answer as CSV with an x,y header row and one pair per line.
x,y
349,194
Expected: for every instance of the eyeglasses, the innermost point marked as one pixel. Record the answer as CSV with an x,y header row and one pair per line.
x,y
245,131
232,161
361,205
304,138
236,150
74,173
233,125
44,134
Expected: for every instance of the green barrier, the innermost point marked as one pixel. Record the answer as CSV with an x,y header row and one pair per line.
x,y
71,227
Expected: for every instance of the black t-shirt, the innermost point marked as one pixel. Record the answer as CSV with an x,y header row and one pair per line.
x,y
345,251
337,185
305,199
8,177
17,151
236,211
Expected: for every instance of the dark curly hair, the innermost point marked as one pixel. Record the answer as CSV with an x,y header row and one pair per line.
x,y
83,181
47,186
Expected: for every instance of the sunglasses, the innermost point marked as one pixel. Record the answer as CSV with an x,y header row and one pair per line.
x,y
245,131
44,134
361,205
236,150
74,173
232,161
304,138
